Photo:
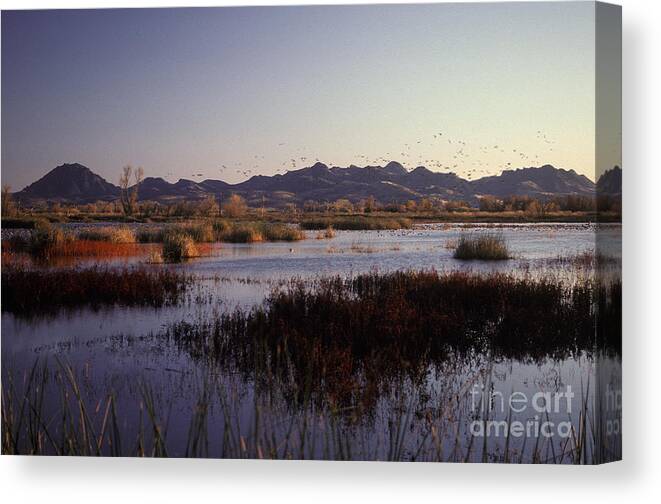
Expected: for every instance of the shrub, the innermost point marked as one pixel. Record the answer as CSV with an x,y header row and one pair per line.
x,y
487,247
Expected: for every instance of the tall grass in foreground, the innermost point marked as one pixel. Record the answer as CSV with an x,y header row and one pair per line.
x,y
26,292
486,247
49,411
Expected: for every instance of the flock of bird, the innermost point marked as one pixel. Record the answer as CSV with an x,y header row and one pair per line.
x,y
470,159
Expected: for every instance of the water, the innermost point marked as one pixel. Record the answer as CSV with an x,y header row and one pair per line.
x,y
123,350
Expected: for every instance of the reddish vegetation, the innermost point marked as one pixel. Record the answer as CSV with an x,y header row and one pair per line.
x,y
344,340
26,291
90,248
79,248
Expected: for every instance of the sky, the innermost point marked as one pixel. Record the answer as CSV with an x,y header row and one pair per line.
x,y
227,93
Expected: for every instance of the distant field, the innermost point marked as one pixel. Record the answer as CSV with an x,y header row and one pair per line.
x,y
369,221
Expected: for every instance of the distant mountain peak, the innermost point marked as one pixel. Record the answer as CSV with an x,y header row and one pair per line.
x,y
71,167
318,168
70,181
395,168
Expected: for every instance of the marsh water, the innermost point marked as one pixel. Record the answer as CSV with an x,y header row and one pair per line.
x,y
123,351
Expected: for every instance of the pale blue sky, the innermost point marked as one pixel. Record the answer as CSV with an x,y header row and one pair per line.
x,y
184,91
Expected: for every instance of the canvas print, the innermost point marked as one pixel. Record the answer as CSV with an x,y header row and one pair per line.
x,y
359,232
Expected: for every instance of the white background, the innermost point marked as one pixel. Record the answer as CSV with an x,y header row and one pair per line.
x,y
636,479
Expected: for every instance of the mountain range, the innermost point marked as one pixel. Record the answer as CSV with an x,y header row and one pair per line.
x,y
390,183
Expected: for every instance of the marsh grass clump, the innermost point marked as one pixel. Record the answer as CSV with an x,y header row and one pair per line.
x,y
178,246
202,232
326,234
223,230
155,257
220,227
243,233
357,223
281,232
121,234
486,247
43,241
45,238
251,232
26,291
150,234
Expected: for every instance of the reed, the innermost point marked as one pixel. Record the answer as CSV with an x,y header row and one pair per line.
x,y
346,340
28,292
120,234
222,230
150,234
281,232
49,411
242,233
47,242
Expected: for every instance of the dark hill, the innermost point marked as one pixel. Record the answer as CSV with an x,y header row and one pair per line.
x,y
70,182
610,181
390,183
539,182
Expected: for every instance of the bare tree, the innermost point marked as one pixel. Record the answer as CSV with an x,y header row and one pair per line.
x,y
8,207
235,206
138,175
128,193
208,207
